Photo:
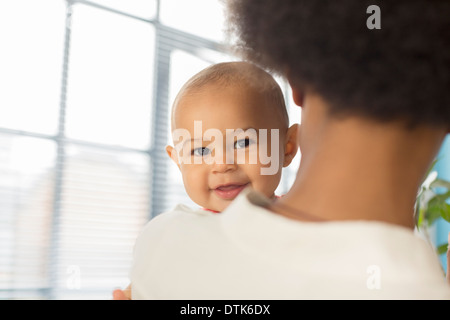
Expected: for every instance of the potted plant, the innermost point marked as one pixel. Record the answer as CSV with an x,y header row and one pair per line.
x,y
432,203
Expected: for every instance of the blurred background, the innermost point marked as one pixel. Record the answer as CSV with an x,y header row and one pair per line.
x,y
85,93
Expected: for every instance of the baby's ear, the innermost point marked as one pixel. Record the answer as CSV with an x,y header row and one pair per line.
x,y
291,145
172,153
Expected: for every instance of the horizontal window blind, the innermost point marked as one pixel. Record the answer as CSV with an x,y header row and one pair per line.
x,y
26,205
104,202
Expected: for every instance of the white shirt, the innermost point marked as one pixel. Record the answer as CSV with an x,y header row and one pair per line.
x,y
249,252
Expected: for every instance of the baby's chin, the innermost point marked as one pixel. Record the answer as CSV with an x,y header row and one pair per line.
x,y
220,205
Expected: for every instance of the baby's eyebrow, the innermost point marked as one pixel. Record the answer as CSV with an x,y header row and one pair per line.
x,y
244,129
247,129
184,142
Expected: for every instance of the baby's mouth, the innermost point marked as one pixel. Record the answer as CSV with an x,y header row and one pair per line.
x,y
229,191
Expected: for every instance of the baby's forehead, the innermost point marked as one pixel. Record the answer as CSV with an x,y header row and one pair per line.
x,y
231,79
227,99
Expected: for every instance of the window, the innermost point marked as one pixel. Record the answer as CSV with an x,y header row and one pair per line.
x,y
174,14
87,88
31,51
110,70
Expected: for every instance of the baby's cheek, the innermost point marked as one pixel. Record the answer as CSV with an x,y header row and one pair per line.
x,y
195,184
265,184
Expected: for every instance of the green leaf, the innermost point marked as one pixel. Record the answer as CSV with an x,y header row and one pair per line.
x,y
445,212
437,208
432,213
433,210
442,248
417,213
443,196
419,218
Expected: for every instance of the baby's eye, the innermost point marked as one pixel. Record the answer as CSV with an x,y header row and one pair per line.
x,y
243,143
201,152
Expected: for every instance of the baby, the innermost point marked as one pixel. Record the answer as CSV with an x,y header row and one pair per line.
x,y
231,131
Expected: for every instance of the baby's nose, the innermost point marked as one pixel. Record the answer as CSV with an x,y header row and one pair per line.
x,y
223,162
223,168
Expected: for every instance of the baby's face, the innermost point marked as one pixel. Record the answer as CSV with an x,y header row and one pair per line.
x,y
217,168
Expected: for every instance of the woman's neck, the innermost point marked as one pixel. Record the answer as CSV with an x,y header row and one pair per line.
x,y
359,170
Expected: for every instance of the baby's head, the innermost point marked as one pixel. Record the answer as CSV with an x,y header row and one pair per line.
x,y
230,130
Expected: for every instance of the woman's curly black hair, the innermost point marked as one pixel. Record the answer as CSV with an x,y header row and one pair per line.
x,y
398,72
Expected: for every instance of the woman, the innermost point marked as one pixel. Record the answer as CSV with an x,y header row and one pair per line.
x,y
375,111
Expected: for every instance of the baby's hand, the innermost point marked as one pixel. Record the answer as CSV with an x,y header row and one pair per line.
x,y
120,294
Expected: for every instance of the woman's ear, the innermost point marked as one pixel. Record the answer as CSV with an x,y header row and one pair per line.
x,y
291,145
172,153
297,94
